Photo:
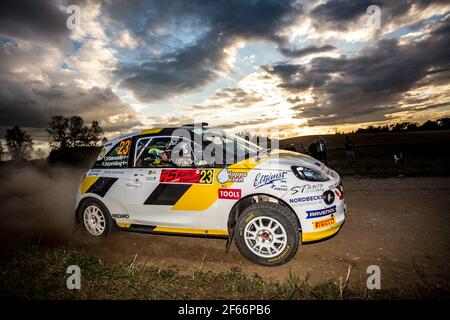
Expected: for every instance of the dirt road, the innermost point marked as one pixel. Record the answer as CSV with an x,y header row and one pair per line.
x,y
399,224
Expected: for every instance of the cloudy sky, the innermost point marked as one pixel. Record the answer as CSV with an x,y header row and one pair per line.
x,y
302,67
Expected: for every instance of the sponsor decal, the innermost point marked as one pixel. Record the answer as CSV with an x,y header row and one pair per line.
x,y
95,172
113,172
225,176
151,175
307,188
265,179
304,199
236,176
324,223
102,153
328,197
116,172
121,216
119,156
115,161
283,188
222,177
187,176
230,194
311,214
339,194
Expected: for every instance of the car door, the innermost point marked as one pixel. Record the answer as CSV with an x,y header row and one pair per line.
x,y
158,193
111,174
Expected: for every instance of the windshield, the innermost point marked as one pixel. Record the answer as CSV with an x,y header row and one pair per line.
x,y
232,147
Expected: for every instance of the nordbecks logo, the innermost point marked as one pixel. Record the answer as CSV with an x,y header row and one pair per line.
x,y
320,213
233,194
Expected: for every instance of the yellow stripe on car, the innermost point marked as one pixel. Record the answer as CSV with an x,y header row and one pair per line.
x,y
319,235
191,231
123,225
202,196
150,131
87,183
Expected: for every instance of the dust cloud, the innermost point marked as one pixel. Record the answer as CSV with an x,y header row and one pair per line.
x,y
37,201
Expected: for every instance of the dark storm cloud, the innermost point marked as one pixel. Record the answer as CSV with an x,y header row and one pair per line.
x,y
340,14
229,98
31,103
196,64
33,86
296,53
238,96
367,86
180,47
297,77
24,19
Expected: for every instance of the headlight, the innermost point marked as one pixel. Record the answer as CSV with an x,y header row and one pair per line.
x,y
309,174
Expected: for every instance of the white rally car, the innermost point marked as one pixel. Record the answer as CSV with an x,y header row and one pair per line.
x,y
158,181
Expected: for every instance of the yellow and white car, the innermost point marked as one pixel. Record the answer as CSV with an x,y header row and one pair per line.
x,y
160,181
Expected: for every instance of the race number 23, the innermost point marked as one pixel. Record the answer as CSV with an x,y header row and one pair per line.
x,y
124,147
206,176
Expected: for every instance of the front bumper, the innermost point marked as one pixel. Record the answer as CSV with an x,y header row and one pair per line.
x,y
321,235
323,226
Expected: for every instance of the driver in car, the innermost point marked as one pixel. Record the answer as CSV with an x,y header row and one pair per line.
x,y
175,153
156,155
181,154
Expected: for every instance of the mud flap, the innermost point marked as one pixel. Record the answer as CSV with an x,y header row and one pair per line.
x,y
229,240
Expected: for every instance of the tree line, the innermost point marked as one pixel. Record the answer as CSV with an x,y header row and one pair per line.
x,y
64,133
441,124
72,132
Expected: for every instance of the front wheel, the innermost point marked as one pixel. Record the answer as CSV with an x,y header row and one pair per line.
x,y
94,219
267,233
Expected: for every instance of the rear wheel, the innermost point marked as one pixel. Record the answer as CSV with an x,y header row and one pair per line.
x,y
267,233
94,219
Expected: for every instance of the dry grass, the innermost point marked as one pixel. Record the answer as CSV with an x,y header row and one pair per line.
x,y
40,273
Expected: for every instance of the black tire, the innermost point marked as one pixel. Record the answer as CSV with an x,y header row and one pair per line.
x,y
280,214
81,211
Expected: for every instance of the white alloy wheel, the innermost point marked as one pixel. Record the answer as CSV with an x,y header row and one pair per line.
x,y
94,220
265,237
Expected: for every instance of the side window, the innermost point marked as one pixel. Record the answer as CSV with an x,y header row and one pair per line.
x,y
118,156
163,152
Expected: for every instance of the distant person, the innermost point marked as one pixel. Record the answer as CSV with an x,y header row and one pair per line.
x,y
349,151
313,149
302,149
291,147
396,159
322,150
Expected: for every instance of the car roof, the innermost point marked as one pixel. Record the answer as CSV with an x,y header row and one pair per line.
x,y
151,131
